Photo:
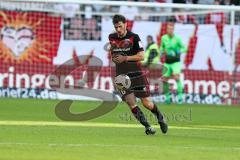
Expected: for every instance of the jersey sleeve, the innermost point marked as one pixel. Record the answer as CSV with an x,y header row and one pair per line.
x,y
162,45
110,43
137,44
109,39
183,48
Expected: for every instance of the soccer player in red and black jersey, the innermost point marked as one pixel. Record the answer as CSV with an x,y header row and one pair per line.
x,y
127,52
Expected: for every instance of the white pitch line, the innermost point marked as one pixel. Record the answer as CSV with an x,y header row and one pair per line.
x,y
75,145
108,125
205,148
209,148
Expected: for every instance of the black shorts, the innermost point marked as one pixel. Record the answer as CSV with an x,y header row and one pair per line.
x,y
139,86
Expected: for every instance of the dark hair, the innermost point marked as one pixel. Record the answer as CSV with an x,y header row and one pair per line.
x,y
118,18
149,36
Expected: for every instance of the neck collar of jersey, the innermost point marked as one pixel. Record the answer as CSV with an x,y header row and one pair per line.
x,y
124,34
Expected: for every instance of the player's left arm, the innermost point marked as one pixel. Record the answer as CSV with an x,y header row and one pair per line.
x,y
137,57
138,47
182,47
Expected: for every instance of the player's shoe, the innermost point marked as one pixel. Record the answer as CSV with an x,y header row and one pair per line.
x,y
150,131
163,127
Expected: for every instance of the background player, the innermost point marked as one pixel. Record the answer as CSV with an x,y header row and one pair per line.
x,y
127,53
152,54
172,47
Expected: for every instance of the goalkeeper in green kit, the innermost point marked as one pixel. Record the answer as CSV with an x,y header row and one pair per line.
x,y
172,47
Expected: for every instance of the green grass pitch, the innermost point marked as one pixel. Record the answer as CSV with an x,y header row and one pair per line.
x,y
29,130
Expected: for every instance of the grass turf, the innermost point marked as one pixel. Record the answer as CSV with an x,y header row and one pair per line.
x,y
29,129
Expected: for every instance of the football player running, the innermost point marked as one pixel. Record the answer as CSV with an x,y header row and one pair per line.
x,y
127,53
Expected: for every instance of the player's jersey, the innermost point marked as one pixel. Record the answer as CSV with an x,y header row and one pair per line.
x,y
172,46
127,46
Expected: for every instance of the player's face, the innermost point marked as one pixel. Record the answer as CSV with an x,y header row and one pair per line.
x,y
149,40
170,30
120,28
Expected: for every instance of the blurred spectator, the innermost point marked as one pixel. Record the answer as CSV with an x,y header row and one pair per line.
x,y
164,1
194,1
130,12
160,1
227,2
179,1
222,2
189,2
235,2
232,2
204,1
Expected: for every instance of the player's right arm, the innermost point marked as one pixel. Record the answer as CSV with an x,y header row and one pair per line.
x,y
162,46
110,48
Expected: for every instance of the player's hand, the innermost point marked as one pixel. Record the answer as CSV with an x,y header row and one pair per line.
x,y
178,52
119,59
